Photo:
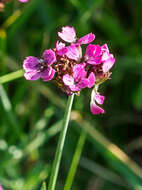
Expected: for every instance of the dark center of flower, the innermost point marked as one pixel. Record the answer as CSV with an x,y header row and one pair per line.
x,y
42,66
63,66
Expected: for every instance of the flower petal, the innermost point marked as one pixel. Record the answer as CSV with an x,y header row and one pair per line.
x,y
23,1
79,71
68,80
48,74
96,109
93,54
32,75
74,88
30,63
91,80
68,34
60,48
74,52
86,39
99,98
49,56
107,65
83,83
105,48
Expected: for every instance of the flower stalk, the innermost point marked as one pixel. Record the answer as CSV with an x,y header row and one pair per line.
x,y
59,151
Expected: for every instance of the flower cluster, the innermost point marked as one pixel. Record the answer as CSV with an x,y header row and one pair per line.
x,y
69,69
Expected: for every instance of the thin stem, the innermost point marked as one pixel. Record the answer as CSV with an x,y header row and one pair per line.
x,y
11,76
75,161
58,155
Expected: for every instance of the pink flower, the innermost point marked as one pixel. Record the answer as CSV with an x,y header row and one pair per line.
x,y
71,70
1,187
68,34
23,1
96,98
36,68
79,79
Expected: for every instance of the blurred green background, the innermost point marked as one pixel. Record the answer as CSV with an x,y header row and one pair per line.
x,y
31,113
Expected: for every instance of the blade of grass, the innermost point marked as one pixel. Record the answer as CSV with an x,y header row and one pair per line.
x,y
11,19
42,137
57,160
116,157
43,186
3,44
102,172
47,92
22,18
75,161
8,109
11,76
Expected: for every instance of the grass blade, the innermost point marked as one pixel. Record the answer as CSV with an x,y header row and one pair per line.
x,y
11,76
116,157
43,186
75,161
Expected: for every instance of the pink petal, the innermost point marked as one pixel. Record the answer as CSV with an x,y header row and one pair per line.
x,y
68,91
60,48
48,74
23,1
93,54
99,99
49,56
86,39
1,187
105,48
30,63
68,34
74,88
68,80
32,75
91,80
96,109
74,52
79,71
107,65
83,83
59,45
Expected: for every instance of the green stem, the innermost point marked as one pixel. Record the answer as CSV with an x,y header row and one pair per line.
x,y
11,76
75,161
58,155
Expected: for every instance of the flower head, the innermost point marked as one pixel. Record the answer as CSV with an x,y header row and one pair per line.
x,y
1,187
72,70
